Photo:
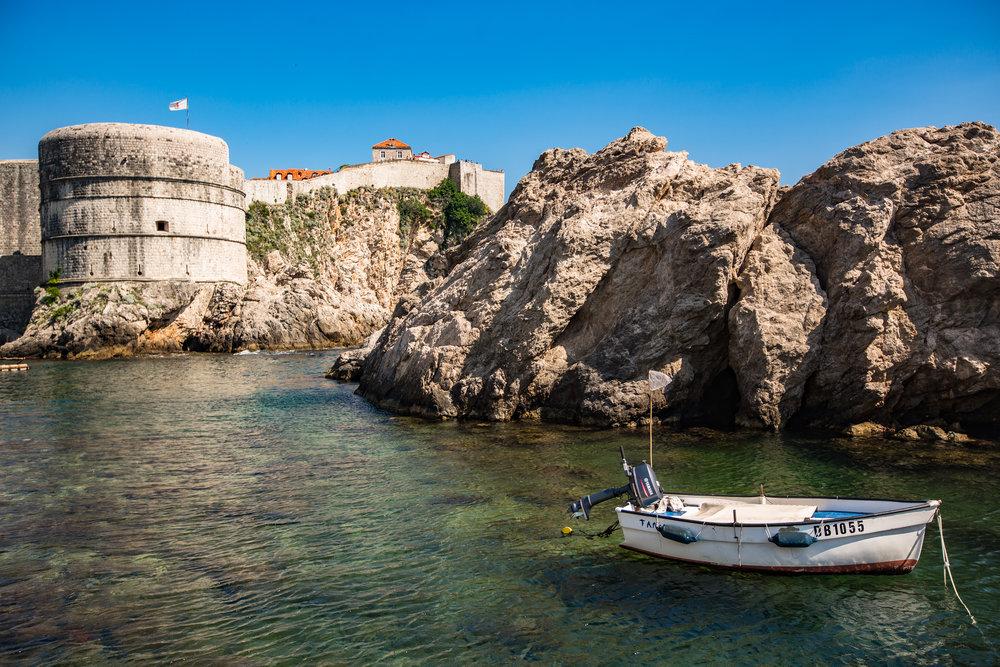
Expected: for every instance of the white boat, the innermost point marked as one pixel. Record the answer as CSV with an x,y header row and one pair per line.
x,y
768,534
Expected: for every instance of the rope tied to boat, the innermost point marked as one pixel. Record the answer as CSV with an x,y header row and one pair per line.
x,y
607,532
946,572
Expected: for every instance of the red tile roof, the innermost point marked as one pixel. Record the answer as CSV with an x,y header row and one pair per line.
x,y
391,143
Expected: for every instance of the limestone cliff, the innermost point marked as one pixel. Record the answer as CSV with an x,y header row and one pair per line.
x,y
875,294
867,295
599,268
324,271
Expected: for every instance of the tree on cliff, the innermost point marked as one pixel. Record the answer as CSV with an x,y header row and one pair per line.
x,y
462,212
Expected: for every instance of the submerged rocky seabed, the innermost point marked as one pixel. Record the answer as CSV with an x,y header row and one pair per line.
x,y
215,508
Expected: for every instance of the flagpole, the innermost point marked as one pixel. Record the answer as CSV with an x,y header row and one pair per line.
x,y
187,116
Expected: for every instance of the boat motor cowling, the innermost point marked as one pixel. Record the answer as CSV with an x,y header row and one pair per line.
x,y
644,487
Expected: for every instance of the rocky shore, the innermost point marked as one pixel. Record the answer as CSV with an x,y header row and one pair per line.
x,y
865,298
325,271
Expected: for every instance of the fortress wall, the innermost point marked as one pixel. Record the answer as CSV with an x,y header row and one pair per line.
x,y
20,244
19,229
126,202
472,179
266,190
147,259
389,174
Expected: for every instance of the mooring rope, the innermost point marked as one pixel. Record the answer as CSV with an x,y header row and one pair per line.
x,y
946,574
604,533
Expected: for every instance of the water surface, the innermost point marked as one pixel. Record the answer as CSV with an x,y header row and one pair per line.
x,y
242,508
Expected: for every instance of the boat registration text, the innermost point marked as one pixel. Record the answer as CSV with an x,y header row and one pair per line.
x,y
841,528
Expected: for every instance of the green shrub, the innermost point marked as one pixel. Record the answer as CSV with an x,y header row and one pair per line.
x,y
412,212
52,291
262,237
63,311
461,212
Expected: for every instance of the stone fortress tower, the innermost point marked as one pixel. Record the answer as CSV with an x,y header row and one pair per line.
x,y
123,203
140,203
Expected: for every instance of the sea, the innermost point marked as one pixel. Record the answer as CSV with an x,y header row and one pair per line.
x,y
242,509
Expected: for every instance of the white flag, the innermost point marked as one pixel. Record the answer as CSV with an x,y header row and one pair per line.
x,y
659,381
179,105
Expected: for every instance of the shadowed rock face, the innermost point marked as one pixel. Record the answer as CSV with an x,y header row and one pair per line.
x,y
874,294
600,268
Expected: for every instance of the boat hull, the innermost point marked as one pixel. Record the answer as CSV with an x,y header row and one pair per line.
x,y
879,544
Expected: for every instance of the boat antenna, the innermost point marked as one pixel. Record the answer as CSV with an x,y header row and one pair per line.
x,y
657,382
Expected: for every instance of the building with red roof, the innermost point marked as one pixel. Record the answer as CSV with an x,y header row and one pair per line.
x,y
391,149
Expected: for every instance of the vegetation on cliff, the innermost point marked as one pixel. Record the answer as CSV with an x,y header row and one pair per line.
x,y
460,213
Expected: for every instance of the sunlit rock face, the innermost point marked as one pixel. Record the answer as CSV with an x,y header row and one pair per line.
x,y
600,268
873,295
865,294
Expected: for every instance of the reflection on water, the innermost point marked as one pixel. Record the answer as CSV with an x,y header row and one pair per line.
x,y
211,507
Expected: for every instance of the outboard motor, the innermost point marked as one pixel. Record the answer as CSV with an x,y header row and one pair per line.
x,y
581,508
644,486
643,489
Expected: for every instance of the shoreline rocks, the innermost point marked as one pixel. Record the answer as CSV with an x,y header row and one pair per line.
x,y
325,271
888,309
866,293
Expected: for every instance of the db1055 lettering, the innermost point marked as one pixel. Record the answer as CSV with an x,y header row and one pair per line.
x,y
841,528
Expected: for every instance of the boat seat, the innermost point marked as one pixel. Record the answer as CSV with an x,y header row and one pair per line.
x,y
751,513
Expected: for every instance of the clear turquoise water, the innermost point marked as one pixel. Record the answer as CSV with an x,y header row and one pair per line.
x,y
243,509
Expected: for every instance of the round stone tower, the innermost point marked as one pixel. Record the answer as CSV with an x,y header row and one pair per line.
x,y
140,203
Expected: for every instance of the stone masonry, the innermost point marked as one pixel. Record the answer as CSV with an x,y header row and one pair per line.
x,y
470,177
140,203
116,202
20,244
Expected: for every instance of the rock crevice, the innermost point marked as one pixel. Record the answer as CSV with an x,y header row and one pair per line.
x,y
866,293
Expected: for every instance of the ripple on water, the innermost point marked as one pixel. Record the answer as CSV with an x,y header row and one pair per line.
x,y
219,508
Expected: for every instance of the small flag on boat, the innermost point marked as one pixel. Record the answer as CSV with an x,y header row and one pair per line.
x,y
179,105
659,381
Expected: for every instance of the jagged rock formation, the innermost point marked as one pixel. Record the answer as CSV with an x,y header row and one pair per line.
x,y
871,298
774,329
324,271
874,295
599,268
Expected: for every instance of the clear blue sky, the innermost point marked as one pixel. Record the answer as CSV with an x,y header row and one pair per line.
x,y
313,83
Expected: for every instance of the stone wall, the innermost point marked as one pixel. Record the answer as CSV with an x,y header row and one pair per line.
x,y
472,179
389,174
20,244
267,190
142,203
469,176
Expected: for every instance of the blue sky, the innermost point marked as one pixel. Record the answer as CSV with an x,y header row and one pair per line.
x,y
314,84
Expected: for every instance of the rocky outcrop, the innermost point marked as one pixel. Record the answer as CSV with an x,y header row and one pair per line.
x,y
868,303
875,295
325,271
600,268
774,329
